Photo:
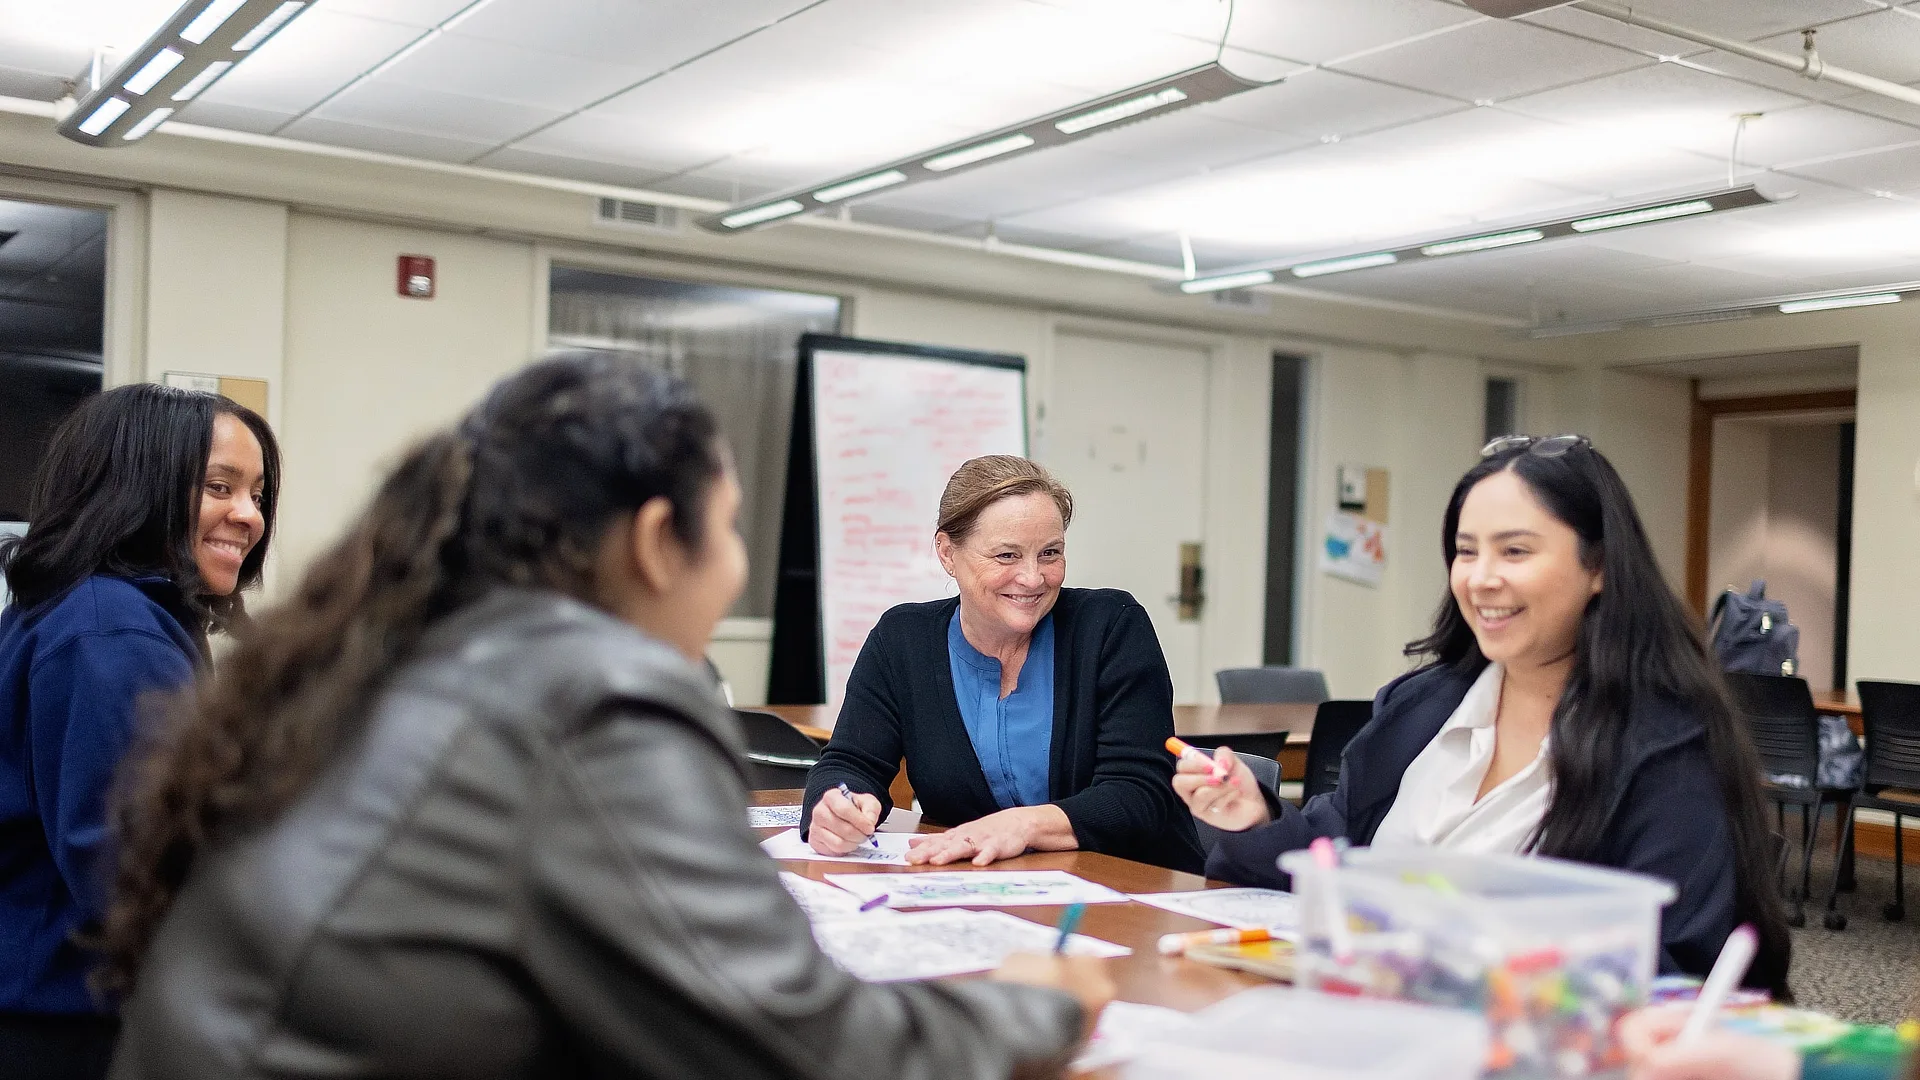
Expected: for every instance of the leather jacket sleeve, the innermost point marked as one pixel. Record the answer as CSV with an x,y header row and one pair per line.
x,y
657,929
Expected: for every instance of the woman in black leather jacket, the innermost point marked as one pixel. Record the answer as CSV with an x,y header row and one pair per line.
x,y
466,805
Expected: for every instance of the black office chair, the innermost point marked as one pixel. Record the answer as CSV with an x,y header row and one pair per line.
x,y
1271,686
1785,727
1266,773
778,755
1334,725
1890,778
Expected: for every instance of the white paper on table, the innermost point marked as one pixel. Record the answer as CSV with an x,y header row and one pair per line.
x,y
773,817
901,819
978,888
932,944
820,900
1124,1027
892,850
1242,909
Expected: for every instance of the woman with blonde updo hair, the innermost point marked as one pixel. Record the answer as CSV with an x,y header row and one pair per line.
x,y
1031,716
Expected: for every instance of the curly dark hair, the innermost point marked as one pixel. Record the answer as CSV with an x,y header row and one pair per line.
x,y
519,494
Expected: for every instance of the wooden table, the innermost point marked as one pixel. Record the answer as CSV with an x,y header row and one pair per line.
x,y
1146,976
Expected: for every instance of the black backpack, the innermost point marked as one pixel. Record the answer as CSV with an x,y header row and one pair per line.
x,y
1751,633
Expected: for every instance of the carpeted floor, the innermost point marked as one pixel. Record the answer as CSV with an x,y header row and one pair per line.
x,y
1869,972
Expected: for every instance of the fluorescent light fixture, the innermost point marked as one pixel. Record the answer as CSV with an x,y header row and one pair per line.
x,y
198,45
1341,266
769,212
153,120
207,77
1227,281
861,186
153,71
1482,243
983,151
1642,216
1074,125
1196,86
211,18
280,17
103,117
1732,198
1794,307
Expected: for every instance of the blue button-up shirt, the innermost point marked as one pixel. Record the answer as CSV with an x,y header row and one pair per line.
x,y
1012,736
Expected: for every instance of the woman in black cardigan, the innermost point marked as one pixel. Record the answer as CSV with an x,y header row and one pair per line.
x,y
1031,717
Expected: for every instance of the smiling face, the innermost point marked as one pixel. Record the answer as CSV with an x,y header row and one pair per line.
x,y
1010,566
1517,574
231,519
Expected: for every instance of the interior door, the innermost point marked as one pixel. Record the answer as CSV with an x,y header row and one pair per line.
x,y
1125,429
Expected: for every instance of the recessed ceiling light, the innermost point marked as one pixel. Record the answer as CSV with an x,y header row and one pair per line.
x,y
103,117
280,17
1483,243
1196,86
1227,281
1793,307
211,18
153,71
1341,266
850,188
1641,217
969,155
769,212
1074,125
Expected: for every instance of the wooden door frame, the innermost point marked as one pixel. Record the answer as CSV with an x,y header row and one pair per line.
x,y
1700,465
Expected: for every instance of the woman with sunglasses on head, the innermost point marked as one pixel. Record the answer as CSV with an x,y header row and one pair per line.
x,y
150,514
1566,707
467,805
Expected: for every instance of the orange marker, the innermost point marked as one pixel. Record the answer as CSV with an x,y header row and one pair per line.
x,y
1175,944
1180,748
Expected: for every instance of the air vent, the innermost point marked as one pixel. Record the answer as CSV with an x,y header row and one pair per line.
x,y
631,213
1239,300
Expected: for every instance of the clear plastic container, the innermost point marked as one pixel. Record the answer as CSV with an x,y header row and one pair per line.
x,y
1550,952
1271,1033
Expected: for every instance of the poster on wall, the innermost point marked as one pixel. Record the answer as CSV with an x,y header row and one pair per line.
x,y
1355,549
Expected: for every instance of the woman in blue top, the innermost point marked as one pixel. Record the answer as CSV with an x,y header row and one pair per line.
x,y
150,513
1031,717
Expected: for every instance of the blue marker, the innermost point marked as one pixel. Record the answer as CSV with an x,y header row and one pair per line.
x,y
1069,919
848,792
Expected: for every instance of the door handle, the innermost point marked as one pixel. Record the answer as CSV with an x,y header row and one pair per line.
x,y
1192,596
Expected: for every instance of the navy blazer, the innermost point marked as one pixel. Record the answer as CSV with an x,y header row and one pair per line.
x,y
1112,713
1665,816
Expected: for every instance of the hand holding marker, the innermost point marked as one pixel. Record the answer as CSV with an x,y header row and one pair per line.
x,y
1069,919
1185,751
1735,957
847,793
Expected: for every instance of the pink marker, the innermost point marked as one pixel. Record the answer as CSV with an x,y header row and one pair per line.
x,y
1184,750
1327,863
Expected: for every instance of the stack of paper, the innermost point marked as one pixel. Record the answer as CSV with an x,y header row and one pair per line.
x,y
889,849
1242,909
929,945
978,888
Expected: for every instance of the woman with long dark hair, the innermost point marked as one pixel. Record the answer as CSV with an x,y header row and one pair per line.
x,y
467,804
1566,707
150,515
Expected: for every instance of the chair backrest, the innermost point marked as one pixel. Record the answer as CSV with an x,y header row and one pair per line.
x,y
1334,725
1271,686
1779,713
1890,711
778,755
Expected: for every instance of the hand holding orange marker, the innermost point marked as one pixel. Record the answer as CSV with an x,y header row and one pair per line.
x,y
1182,749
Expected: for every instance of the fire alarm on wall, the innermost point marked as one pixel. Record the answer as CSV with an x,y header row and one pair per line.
x,y
416,277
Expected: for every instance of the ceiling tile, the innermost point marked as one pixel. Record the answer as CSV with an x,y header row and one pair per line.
x,y
1318,32
1748,19
1672,103
315,55
1599,28
1895,169
475,67
1493,60
1814,133
1323,103
600,172
32,85
900,217
384,140
420,13
233,117
628,141
645,35
411,108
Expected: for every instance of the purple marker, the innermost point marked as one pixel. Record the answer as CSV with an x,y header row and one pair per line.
x,y
878,901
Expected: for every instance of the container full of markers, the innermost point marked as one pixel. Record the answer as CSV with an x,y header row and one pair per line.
x,y
1551,953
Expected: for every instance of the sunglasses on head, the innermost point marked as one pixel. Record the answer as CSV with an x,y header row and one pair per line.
x,y
1549,446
